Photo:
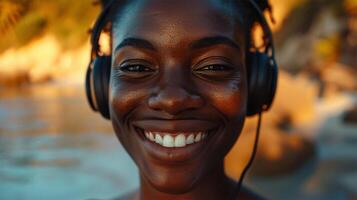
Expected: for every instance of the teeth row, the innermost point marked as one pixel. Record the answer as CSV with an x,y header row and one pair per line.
x,y
167,140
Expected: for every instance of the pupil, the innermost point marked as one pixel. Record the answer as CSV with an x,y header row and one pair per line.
x,y
216,67
135,68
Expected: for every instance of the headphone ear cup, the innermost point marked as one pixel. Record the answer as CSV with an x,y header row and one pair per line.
x,y
273,71
89,88
101,77
262,78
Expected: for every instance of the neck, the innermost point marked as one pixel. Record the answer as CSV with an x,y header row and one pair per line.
x,y
215,185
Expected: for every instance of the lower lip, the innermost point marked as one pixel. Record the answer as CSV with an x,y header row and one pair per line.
x,y
174,154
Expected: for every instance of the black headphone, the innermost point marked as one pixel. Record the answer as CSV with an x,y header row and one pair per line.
x,y
262,70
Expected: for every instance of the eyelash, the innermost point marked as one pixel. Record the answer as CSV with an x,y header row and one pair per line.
x,y
215,67
135,68
143,68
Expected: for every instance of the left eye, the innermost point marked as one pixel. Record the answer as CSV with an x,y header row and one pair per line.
x,y
215,67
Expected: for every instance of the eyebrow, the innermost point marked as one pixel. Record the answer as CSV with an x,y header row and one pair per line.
x,y
198,44
211,41
136,42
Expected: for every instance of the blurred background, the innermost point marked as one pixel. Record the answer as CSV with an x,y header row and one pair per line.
x,y
52,146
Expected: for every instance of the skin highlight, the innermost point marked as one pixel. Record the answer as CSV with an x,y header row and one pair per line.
x,y
178,66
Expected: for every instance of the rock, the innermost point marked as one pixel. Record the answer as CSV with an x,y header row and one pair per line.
x,y
350,116
339,76
278,154
285,155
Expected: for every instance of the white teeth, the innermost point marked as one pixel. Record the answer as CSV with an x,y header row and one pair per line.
x,y
158,138
190,139
168,140
198,137
151,137
180,141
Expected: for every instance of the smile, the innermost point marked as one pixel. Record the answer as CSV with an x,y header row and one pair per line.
x,y
175,140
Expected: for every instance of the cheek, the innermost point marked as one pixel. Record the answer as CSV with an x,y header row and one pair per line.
x,y
229,98
124,98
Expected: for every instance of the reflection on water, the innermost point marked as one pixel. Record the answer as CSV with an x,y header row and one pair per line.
x,y
53,147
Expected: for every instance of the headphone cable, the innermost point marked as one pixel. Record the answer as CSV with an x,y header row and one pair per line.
x,y
238,187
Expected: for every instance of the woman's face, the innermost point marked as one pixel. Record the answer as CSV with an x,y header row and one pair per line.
x,y
178,88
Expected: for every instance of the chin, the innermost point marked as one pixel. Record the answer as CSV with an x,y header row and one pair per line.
x,y
173,180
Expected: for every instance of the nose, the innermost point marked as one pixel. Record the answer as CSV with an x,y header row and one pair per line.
x,y
174,100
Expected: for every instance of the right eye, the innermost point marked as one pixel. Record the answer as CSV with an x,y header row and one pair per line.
x,y
135,68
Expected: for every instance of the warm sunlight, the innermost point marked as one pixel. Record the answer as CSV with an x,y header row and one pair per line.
x,y
52,146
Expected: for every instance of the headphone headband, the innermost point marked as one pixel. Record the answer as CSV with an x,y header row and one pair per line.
x,y
102,20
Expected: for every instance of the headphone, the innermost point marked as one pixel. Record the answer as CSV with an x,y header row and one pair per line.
x,y
262,70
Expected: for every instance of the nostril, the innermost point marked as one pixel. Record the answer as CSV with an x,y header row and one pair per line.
x,y
174,100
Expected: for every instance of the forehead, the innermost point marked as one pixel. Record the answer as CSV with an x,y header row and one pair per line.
x,y
173,21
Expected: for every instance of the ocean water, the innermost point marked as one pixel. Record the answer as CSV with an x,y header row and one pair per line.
x,y
52,146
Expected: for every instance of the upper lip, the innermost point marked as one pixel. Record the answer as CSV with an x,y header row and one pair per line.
x,y
175,125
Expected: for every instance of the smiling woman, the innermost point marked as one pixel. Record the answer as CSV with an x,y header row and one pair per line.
x,y
180,80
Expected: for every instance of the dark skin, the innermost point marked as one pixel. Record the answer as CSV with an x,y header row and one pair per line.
x,y
178,67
